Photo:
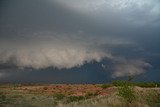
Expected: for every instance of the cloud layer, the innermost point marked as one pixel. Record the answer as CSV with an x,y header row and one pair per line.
x,y
51,50
134,11
133,67
62,50
70,33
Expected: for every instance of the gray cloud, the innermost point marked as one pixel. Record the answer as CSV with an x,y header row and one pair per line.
x,y
124,67
1,74
70,33
131,11
62,50
56,50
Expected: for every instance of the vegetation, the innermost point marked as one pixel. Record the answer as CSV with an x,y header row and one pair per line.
x,y
3,99
104,86
59,96
126,91
68,99
140,84
123,94
120,83
147,84
91,94
75,98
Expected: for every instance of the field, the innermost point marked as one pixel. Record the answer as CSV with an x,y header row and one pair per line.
x,y
78,95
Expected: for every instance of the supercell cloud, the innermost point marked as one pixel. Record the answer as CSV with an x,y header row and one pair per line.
x,y
66,34
51,50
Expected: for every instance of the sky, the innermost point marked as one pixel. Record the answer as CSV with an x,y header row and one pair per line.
x,y
79,41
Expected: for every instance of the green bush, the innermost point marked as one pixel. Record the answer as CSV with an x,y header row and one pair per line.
x,y
33,98
147,84
125,90
104,86
121,83
127,93
91,94
59,96
153,99
75,98
3,99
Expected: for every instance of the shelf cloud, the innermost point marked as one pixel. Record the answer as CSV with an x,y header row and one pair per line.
x,y
60,51
52,50
68,34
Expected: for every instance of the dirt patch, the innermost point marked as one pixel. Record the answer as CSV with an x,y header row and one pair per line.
x,y
66,89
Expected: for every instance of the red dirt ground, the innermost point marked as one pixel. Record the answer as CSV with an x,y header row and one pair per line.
x,y
66,89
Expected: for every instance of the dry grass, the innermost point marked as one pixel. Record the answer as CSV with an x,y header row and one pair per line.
x,y
74,89
63,95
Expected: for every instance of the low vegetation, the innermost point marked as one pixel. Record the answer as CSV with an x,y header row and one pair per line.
x,y
127,92
147,84
104,86
75,98
117,94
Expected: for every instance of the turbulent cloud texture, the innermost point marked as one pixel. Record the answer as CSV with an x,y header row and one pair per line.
x,y
40,34
51,50
129,67
60,51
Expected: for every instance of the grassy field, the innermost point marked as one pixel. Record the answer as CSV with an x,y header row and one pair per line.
x,y
117,94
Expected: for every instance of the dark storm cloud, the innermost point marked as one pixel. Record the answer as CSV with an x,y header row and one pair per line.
x,y
65,34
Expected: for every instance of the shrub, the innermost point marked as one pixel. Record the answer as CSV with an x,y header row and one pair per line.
x,y
59,96
104,86
91,94
75,98
121,83
3,99
126,91
147,84
33,98
45,88
153,99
